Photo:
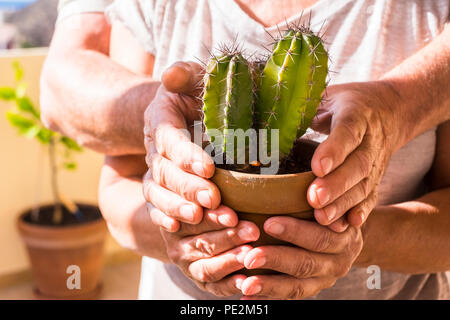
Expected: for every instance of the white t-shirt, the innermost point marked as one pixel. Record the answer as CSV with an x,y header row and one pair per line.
x,y
365,39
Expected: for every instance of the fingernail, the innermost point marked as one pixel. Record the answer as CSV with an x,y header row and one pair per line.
x,y
326,164
254,289
204,197
246,234
240,257
275,228
362,216
187,212
312,193
330,212
168,223
197,167
239,284
323,196
257,262
225,220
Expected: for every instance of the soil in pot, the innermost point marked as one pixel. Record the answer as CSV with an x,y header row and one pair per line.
x,y
257,197
67,259
89,213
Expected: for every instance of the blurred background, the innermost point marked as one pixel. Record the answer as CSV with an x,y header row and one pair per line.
x,y
26,28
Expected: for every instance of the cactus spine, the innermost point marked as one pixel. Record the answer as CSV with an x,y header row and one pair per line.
x,y
227,99
291,86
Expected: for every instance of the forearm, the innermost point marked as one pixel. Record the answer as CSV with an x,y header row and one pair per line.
x,y
421,88
123,207
410,237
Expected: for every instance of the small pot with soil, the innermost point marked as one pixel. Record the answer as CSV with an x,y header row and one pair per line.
x,y
60,253
265,105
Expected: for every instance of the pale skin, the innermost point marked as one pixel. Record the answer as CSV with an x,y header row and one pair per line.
x,y
132,226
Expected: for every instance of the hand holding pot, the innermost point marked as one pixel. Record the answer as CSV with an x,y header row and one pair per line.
x,y
321,256
362,121
208,252
176,183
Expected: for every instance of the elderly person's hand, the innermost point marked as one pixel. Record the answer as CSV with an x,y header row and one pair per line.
x,y
363,124
320,257
208,252
176,183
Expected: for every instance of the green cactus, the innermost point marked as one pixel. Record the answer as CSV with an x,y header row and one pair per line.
x,y
228,99
281,93
291,86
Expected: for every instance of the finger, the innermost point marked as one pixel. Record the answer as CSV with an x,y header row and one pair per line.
x,y
283,287
171,203
218,267
160,219
358,166
210,244
339,225
347,132
299,264
306,234
226,287
166,132
217,219
341,205
359,214
189,186
183,77
172,144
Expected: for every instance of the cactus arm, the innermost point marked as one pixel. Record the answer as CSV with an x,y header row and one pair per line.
x,y
316,80
228,99
291,86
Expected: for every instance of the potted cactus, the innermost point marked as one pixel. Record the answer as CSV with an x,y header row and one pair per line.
x,y
61,238
279,98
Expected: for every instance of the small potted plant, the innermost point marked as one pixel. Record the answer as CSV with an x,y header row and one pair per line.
x,y
64,240
278,97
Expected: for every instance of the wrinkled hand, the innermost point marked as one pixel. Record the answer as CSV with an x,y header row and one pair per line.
x,y
176,183
321,256
208,252
362,121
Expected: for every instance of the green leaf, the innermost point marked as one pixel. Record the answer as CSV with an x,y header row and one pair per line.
x,y
20,122
18,71
32,132
44,135
21,90
24,104
70,165
71,144
7,93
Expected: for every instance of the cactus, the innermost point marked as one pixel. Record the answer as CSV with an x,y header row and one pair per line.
x,y
288,86
228,99
292,83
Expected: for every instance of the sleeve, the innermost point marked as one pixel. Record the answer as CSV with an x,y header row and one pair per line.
x,y
67,8
138,17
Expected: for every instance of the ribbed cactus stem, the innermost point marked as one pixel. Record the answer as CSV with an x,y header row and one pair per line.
x,y
227,100
291,87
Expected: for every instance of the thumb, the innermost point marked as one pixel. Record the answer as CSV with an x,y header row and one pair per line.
x,y
184,77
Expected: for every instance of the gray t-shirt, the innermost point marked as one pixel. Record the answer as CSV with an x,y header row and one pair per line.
x,y
365,39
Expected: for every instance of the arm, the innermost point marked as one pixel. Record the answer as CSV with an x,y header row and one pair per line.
x,y
124,209
422,84
102,105
414,236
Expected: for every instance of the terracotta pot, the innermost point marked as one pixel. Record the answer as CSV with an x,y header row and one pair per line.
x,y
52,249
257,197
